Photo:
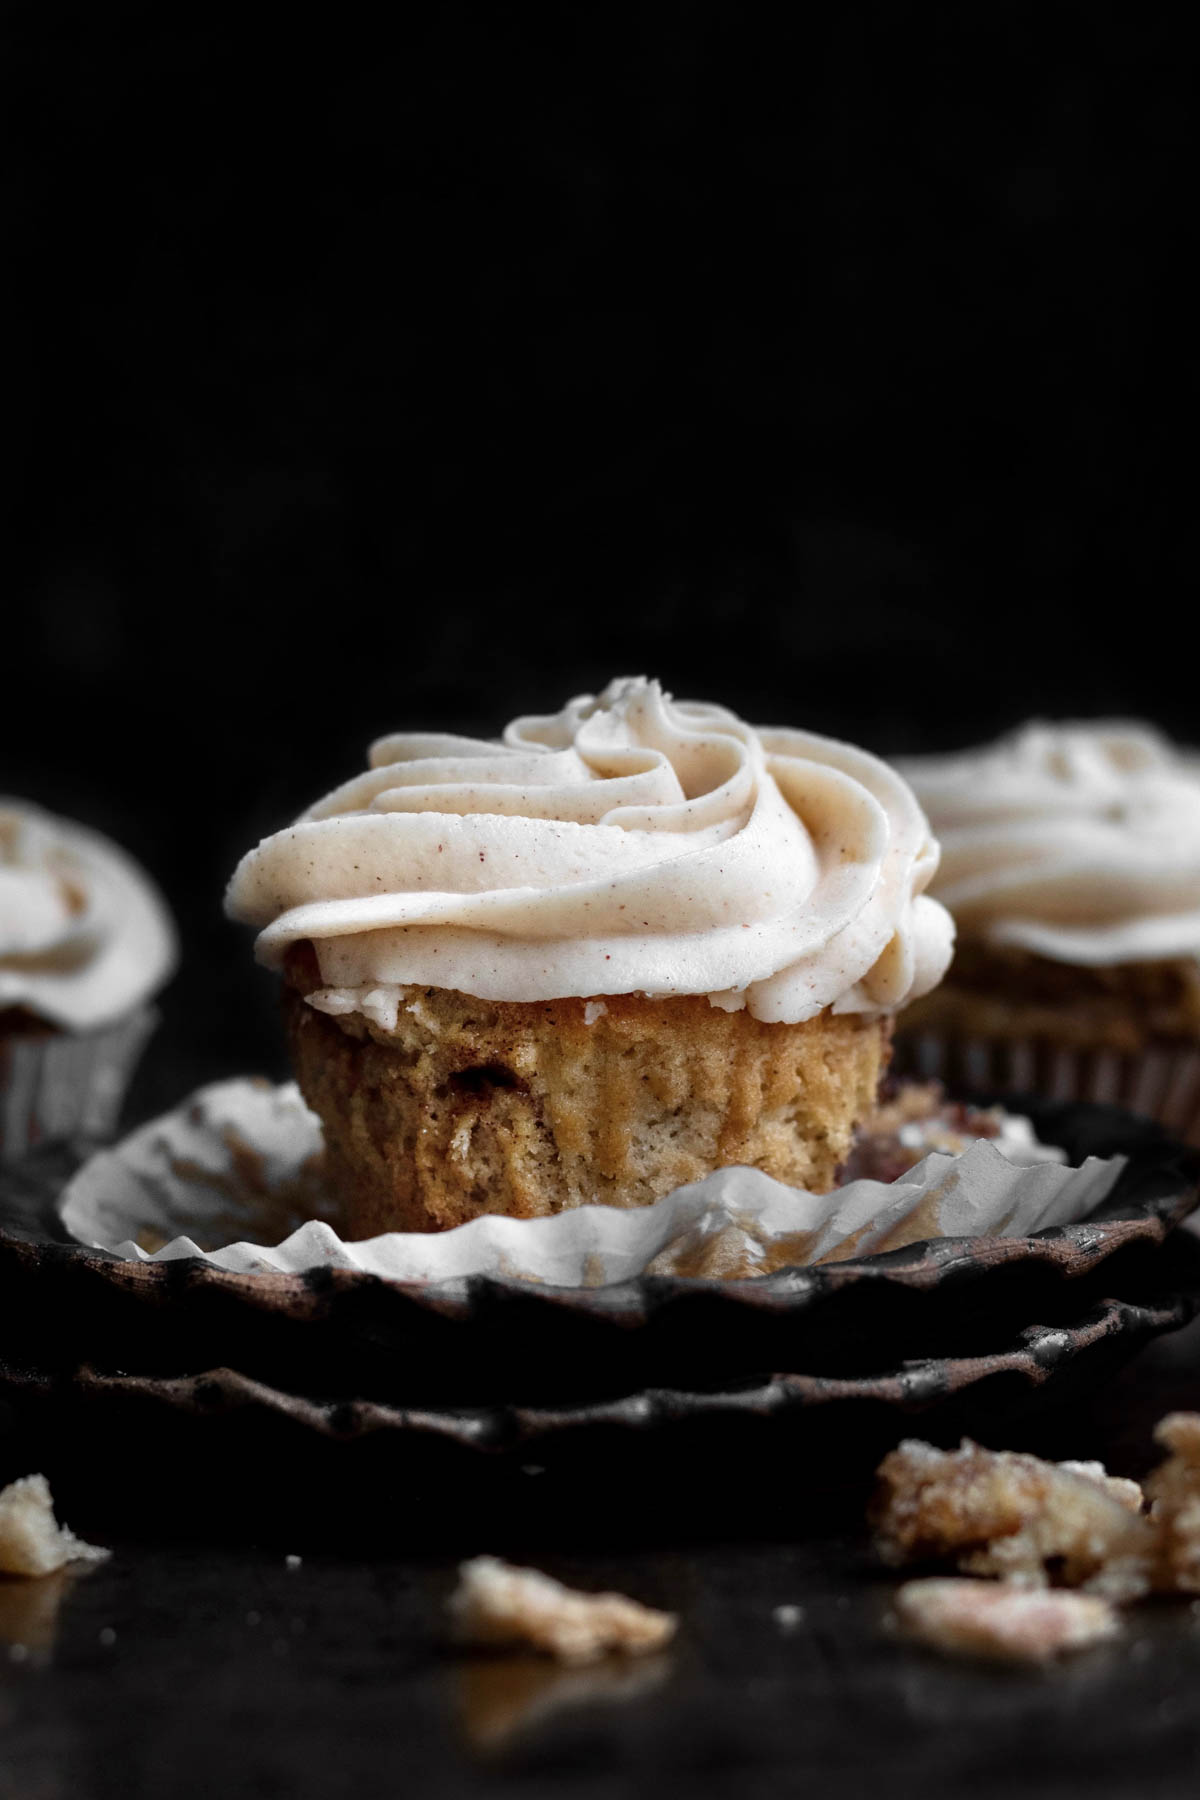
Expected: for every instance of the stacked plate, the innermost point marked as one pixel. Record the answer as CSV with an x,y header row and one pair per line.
x,y
495,1365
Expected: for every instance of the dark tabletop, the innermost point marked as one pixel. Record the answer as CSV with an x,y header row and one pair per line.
x,y
364,388
204,1661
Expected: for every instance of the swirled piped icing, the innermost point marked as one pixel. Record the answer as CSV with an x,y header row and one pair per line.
x,y
628,844
1078,842
84,935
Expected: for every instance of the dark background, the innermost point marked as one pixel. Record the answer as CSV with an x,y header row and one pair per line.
x,y
839,375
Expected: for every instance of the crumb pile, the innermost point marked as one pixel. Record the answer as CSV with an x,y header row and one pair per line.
x,y
1044,1529
1006,1514
916,1118
1174,1494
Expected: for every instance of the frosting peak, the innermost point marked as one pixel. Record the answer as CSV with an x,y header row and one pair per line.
x,y
84,936
627,844
1079,842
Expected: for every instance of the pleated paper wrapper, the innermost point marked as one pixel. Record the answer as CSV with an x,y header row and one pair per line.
x,y
235,1177
67,1085
1161,1082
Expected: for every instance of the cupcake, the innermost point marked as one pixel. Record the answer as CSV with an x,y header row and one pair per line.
x,y
627,944
1071,864
85,941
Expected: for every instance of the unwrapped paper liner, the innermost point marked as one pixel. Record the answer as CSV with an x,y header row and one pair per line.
x,y
244,1155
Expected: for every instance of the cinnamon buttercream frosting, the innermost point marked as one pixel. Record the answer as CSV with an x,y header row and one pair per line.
x,y
1078,842
84,935
630,843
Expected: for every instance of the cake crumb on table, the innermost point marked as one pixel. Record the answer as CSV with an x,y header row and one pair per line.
x,y
32,1542
1000,1621
496,1604
1174,1492
1129,1493
1009,1514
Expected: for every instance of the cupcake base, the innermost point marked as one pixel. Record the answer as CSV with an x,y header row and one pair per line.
x,y
61,1085
1006,1021
1002,993
1161,1081
469,1106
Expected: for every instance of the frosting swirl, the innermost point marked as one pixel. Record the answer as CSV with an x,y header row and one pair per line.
x,y
628,844
1079,842
84,935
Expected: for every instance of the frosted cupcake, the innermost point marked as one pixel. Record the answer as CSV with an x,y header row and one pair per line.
x,y
628,944
1071,864
85,942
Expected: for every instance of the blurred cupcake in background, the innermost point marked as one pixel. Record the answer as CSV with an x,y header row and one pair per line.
x,y
85,942
1071,864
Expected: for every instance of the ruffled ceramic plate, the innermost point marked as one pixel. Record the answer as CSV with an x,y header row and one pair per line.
x,y
1042,1357
337,1337
217,1451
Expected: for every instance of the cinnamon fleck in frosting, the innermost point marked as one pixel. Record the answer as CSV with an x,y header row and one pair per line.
x,y
629,844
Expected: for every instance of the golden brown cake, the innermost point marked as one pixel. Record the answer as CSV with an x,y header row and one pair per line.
x,y
1012,1515
629,944
1003,992
1174,1490
470,1106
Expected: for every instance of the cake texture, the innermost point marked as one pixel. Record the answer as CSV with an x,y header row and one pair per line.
x,y
1004,993
1008,1514
628,944
496,1606
467,1106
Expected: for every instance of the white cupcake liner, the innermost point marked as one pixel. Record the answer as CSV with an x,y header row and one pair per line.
x,y
243,1155
1161,1083
67,1084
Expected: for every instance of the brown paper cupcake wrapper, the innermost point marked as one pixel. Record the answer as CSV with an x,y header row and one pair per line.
x,y
1162,1083
67,1084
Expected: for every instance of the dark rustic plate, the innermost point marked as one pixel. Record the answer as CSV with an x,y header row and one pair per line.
x,y
1042,1355
220,1453
470,1344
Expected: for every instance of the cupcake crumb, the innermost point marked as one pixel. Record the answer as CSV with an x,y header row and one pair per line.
x,y
498,1605
1000,1621
1174,1492
1009,1514
32,1542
